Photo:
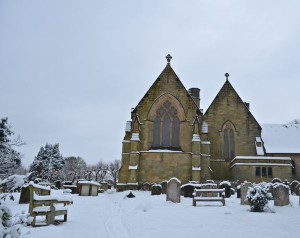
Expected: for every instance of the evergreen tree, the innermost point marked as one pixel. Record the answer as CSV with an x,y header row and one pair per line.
x,y
48,162
10,159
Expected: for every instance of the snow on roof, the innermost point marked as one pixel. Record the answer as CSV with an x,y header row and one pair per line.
x,y
89,182
128,126
260,158
196,137
281,138
135,137
132,167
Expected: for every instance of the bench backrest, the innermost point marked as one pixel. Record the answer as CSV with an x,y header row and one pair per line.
x,y
208,192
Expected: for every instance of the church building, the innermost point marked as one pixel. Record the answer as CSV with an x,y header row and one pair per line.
x,y
170,136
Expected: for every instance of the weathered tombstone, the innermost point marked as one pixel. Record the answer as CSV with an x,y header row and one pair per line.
x,y
244,189
293,186
227,186
280,194
146,187
156,189
210,181
187,190
163,187
276,180
58,184
104,185
238,191
297,190
173,190
25,195
209,186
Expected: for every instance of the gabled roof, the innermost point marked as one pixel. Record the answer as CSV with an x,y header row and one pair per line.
x,y
227,83
170,73
281,138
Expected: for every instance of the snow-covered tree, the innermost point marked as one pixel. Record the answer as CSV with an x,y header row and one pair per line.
x,y
48,163
10,159
258,196
113,169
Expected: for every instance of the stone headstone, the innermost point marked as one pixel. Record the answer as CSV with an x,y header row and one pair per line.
x,y
173,190
238,191
227,186
244,189
104,186
297,190
156,189
187,190
280,194
210,181
276,180
293,185
25,195
146,187
163,187
58,184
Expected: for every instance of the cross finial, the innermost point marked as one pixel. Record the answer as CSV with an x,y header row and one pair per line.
x,y
168,57
227,75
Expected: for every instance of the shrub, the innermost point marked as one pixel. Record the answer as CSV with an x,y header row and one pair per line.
x,y
258,197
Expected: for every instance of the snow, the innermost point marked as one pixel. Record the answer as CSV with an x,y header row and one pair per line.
x,y
259,164
196,168
37,186
111,214
89,182
281,138
225,182
196,137
128,126
135,137
260,158
133,167
162,151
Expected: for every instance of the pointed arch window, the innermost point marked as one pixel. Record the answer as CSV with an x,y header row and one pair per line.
x,y
166,127
228,141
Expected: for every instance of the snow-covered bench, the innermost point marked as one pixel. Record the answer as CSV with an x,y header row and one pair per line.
x,y
208,195
47,205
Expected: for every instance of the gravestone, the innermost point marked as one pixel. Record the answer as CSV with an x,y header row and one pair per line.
x,y
244,189
227,186
276,180
293,185
209,186
173,190
297,190
58,184
187,190
146,187
156,189
104,186
238,191
280,194
163,187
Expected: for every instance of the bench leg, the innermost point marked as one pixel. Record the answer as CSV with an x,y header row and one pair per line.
x,y
65,217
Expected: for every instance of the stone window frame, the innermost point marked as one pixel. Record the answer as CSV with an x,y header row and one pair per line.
x,y
228,139
259,172
164,107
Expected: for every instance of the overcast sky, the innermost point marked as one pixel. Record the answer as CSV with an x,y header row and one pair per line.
x,y
71,70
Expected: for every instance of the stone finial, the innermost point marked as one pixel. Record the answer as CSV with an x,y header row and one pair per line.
x,y
227,75
168,57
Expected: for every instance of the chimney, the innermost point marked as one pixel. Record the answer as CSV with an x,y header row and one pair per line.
x,y
195,94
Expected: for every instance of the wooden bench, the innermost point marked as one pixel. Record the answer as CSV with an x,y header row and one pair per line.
x,y
208,195
47,205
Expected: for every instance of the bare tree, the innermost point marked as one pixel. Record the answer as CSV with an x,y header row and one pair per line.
x,y
74,168
100,170
113,169
295,121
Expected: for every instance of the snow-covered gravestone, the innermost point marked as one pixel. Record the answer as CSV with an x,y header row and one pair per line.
x,y
280,194
227,186
156,189
173,190
293,186
297,190
163,187
244,189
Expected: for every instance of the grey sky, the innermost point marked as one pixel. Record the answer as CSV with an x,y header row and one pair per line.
x,y
71,70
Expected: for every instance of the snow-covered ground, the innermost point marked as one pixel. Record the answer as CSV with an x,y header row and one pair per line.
x,y
111,215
